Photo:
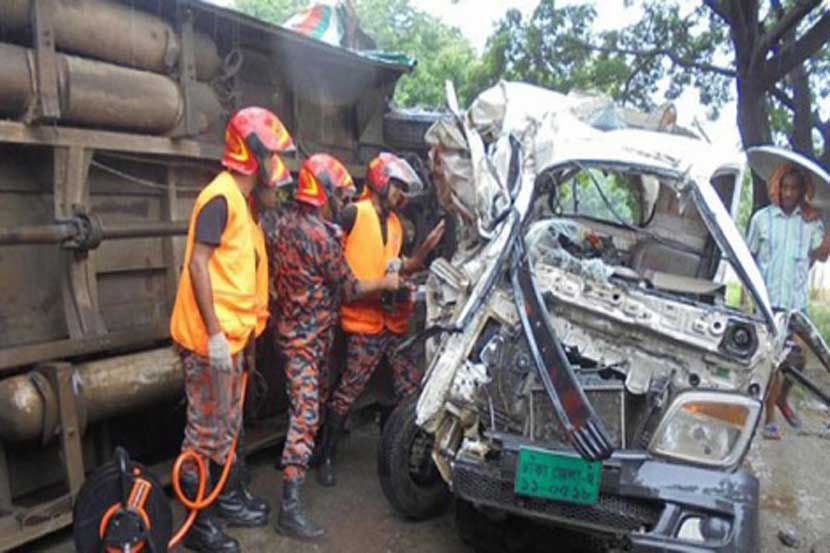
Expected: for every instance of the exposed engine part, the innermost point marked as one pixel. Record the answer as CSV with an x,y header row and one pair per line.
x,y
28,404
101,94
117,33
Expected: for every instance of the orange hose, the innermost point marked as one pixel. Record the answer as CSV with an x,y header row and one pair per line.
x,y
201,502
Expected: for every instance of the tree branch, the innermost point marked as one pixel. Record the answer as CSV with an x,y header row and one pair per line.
x,y
782,97
785,23
799,51
634,72
719,10
823,127
668,52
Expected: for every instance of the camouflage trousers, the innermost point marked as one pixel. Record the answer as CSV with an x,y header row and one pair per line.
x,y
363,355
214,416
305,378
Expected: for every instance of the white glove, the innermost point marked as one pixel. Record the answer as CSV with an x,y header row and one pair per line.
x,y
219,353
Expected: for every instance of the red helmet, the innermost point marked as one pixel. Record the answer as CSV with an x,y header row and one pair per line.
x,y
388,166
252,139
320,176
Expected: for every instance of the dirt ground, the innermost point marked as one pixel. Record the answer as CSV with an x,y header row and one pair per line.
x,y
793,472
355,513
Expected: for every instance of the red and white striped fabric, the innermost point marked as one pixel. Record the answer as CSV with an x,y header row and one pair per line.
x,y
321,21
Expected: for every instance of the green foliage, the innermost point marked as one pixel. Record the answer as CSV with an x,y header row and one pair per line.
x,y
548,49
274,11
557,48
676,45
819,313
580,196
442,51
745,204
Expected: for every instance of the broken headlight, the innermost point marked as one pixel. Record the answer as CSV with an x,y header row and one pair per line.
x,y
709,428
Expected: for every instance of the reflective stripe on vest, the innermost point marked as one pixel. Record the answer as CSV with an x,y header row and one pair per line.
x,y
367,256
232,270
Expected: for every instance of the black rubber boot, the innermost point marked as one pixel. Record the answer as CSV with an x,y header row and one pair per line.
x,y
231,505
206,535
331,434
292,520
255,503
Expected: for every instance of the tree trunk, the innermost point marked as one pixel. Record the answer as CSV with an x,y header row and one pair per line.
x,y
823,127
801,138
753,124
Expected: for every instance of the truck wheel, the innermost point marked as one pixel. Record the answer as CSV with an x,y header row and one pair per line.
x,y
409,478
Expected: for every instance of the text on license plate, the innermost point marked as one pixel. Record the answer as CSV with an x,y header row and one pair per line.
x,y
556,476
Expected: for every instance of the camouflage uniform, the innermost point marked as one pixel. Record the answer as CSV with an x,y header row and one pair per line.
x,y
214,416
310,276
363,355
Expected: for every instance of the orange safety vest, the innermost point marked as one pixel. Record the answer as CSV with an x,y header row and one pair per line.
x,y
367,256
262,295
232,270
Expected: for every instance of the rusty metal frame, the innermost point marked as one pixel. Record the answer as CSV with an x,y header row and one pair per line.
x,y
26,355
169,207
46,106
79,285
17,133
61,376
187,72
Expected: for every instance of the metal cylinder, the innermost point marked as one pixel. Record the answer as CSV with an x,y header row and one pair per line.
x,y
28,405
144,230
105,95
36,234
59,232
115,32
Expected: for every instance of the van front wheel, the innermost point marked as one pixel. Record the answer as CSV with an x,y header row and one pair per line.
x,y
408,476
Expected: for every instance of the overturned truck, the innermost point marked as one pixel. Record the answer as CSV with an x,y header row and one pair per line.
x,y
584,368
111,120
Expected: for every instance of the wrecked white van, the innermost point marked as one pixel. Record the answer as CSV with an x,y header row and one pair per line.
x,y
584,369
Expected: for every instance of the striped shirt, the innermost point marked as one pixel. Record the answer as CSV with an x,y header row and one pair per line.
x,y
781,245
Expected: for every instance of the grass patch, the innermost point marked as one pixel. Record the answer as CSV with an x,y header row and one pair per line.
x,y
733,294
819,312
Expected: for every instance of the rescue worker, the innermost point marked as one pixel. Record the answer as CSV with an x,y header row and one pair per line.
x,y
216,313
374,237
310,276
786,238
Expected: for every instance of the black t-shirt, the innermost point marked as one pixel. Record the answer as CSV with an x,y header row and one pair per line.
x,y
211,221
348,217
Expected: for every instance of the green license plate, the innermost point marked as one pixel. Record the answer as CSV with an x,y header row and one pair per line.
x,y
558,477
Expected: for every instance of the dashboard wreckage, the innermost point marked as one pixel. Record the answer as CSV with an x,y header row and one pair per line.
x,y
584,369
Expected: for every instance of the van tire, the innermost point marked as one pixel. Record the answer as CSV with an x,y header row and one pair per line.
x,y
411,484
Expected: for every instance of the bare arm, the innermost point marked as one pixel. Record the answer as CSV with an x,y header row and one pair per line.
x,y
416,262
390,282
822,252
200,277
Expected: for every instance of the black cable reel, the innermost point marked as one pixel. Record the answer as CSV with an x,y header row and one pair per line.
x,y
122,508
